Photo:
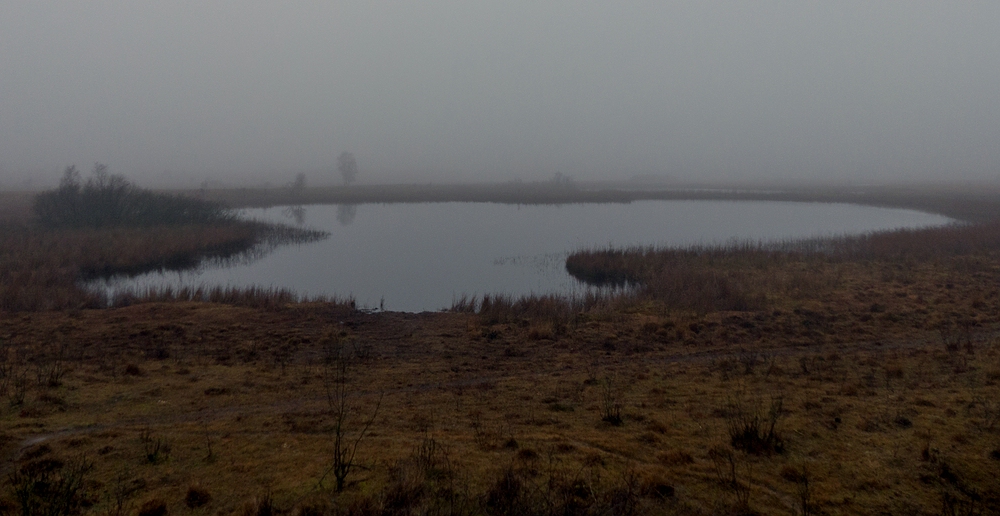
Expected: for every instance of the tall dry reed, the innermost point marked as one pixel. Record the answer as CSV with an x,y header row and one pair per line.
x,y
42,269
745,276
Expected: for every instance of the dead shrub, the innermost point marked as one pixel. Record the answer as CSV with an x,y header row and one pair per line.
x,y
611,403
197,496
507,494
752,427
50,486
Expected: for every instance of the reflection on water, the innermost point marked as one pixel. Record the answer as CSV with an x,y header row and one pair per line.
x,y
346,213
540,263
423,256
296,213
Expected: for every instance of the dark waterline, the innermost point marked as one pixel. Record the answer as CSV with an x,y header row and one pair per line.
x,y
417,257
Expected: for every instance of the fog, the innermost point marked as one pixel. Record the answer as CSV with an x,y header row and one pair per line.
x,y
247,92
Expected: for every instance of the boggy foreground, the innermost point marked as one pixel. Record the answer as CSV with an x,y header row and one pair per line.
x,y
856,378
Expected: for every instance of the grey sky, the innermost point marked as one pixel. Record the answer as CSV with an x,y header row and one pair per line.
x,y
251,90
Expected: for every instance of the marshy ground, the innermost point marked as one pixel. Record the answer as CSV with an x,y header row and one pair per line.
x,y
858,377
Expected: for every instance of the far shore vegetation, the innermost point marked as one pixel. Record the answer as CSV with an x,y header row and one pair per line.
x,y
970,203
855,375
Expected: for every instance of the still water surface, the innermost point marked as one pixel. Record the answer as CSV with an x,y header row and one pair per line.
x,y
417,257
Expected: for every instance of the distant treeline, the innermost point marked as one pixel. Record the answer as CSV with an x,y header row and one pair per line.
x,y
109,200
962,202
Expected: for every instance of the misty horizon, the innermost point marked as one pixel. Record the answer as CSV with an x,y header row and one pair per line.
x,y
251,93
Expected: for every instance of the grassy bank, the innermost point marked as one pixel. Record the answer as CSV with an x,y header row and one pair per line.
x,y
43,269
744,277
849,376
886,405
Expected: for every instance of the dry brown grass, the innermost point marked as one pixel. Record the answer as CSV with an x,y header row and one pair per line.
x,y
745,277
15,207
886,362
887,388
41,269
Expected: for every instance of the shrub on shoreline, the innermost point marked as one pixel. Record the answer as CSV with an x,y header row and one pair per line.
x,y
110,200
107,226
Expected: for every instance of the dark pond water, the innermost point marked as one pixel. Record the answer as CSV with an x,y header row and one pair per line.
x,y
417,257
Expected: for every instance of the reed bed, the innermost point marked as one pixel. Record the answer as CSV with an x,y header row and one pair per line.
x,y
41,269
555,308
732,278
739,276
266,298
913,244
745,276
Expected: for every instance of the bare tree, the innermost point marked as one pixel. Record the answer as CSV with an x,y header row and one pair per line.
x,y
348,431
348,167
299,185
